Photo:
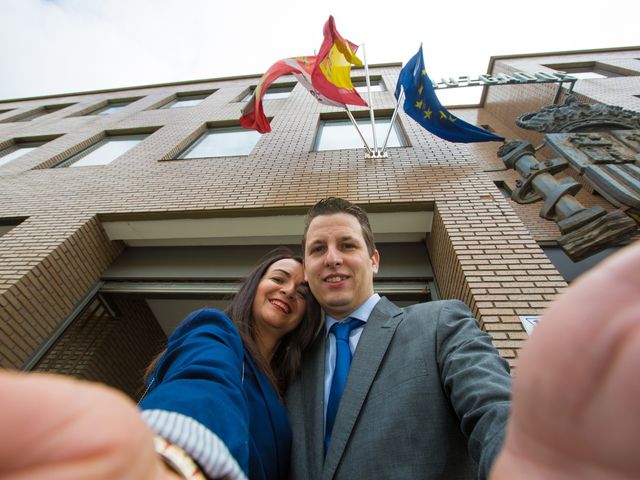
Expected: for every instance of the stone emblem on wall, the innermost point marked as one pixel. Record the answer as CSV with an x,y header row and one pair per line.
x,y
601,144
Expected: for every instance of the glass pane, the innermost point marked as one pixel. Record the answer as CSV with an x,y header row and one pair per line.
x,y
375,87
341,134
183,101
108,150
275,93
20,151
223,143
110,110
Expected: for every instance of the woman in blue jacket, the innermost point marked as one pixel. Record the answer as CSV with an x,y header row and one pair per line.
x,y
216,392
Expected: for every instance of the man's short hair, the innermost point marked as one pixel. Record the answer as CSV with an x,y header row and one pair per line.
x,y
333,205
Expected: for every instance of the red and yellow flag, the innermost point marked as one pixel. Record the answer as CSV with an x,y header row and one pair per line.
x,y
331,74
326,76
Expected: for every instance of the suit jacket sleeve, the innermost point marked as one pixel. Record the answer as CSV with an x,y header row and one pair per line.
x,y
476,380
200,379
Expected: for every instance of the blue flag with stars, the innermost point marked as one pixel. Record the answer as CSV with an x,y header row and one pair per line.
x,y
423,106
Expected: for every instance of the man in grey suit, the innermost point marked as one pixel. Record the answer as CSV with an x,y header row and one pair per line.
x,y
427,395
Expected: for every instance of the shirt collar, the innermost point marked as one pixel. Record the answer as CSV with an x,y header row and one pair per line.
x,y
363,312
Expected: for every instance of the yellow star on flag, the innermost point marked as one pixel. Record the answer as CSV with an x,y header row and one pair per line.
x,y
443,115
420,89
427,113
419,104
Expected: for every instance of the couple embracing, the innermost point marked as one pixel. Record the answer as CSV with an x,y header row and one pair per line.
x,y
378,392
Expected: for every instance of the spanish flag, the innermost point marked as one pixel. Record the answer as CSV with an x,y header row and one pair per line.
x,y
326,76
331,74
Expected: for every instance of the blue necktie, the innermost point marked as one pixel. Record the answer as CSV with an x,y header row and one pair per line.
x,y
341,330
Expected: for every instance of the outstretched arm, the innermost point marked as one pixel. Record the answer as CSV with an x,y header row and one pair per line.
x,y
576,397
57,427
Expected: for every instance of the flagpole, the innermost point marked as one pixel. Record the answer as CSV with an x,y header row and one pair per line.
x,y
393,118
353,120
373,120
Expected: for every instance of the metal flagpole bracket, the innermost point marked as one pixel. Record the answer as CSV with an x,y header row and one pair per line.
x,y
353,120
376,154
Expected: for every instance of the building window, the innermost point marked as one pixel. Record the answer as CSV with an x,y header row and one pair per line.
x,y
39,112
585,70
340,134
104,152
112,107
182,101
377,85
222,142
275,92
18,150
8,224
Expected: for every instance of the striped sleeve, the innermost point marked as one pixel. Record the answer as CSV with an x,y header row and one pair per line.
x,y
204,446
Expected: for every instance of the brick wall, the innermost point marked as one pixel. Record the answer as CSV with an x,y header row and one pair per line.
x,y
482,246
113,349
48,263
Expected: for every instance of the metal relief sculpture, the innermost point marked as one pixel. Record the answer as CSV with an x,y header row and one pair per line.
x,y
602,144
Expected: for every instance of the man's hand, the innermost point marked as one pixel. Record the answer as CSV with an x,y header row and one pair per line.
x,y
576,397
52,427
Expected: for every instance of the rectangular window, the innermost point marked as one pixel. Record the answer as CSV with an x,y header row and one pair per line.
x,y
275,92
222,142
586,70
104,152
37,113
16,151
47,109
31,115
377,85
113,106
182,101
8,224
340,134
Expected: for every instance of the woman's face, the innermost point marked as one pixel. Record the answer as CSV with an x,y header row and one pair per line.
x,y
280,302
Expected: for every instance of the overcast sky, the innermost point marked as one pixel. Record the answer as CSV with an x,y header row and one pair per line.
x,y
61,46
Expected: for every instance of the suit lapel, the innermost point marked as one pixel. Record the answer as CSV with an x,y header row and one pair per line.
x,y
368,356
313,402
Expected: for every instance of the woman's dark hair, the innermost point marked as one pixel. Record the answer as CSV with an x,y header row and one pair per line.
x,y
287,358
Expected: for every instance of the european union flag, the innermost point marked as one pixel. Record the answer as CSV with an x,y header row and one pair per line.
x,y
423,106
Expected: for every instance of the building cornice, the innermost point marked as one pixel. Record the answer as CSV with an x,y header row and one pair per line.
x,y
494,58
167,84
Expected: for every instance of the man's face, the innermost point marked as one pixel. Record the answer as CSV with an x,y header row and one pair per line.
x,y
337,264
